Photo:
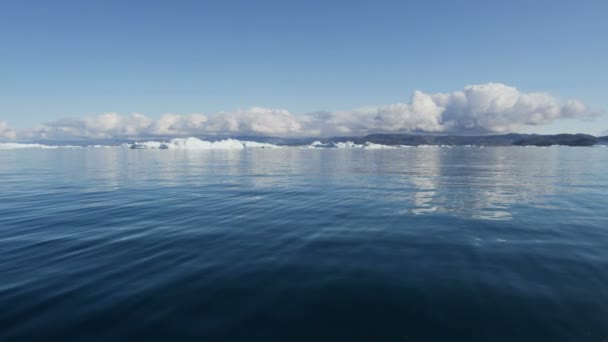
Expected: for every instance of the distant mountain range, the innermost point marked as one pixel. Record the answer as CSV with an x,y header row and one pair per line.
x,y
511,139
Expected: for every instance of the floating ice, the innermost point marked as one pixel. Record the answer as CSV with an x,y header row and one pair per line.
x,y
255,144
197,144
347,145
367,145
228,144
19,146
372,146
315,144
100,146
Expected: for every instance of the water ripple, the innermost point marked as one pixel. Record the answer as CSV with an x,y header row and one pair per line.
x,y
499,244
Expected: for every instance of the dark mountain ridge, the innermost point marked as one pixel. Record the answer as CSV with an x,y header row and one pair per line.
x,y
511,139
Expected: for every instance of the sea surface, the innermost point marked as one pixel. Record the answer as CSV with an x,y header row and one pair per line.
x,y
407,244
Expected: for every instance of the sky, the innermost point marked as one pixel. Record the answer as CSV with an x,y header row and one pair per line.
x,y
107,69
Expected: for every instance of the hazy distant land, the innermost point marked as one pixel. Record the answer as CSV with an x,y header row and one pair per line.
x,y
511,139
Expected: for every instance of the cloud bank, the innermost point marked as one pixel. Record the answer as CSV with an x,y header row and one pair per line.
x,y
6,133
483,108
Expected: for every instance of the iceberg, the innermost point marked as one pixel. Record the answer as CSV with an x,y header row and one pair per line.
x,y
197,144
99,146
372,146
348,145
255,144
315,145
366,146
20,146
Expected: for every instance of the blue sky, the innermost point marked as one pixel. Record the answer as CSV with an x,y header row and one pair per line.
x,y
61,59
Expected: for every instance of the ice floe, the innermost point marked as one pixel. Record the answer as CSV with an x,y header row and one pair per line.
x,y
20,146
197,144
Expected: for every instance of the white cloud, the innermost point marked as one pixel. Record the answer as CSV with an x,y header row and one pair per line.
x,y
495,107
7,133
423,113
261,121
104,126
173,124
483,108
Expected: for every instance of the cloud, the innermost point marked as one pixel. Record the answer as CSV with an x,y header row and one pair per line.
x,y
254,121
104,126
6,133
173,124
495,107
483,108
423,113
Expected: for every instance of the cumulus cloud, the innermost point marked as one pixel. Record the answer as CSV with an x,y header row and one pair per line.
x,y
173,124
483,108
254,121
423,113
104,126
6,133
495,107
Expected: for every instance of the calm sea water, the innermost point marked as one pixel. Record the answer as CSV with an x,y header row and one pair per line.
x,y
412,244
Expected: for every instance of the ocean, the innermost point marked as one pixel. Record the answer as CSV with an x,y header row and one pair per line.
x,y
294,244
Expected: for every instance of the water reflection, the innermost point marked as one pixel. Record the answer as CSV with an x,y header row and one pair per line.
x,y
487,183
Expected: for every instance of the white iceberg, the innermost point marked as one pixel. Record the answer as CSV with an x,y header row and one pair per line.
x,y
20,146
366,146
197,144
255,144
372,146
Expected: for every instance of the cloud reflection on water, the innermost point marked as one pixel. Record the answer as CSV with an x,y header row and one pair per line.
x,y
486,183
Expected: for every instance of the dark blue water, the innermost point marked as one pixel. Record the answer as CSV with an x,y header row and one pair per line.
x,y
412,244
